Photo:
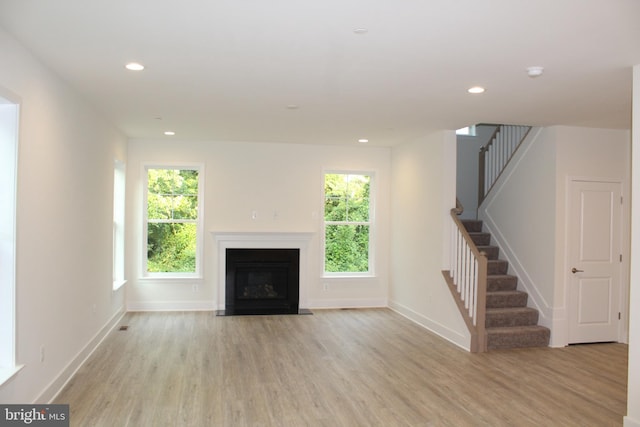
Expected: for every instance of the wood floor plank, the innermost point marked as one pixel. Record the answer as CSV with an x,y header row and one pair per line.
x,y
368,367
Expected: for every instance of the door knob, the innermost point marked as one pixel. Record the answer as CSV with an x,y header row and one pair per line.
x,y
575,270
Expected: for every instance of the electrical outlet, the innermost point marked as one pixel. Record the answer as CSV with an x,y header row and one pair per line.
x,y
41,354
325,286
195,287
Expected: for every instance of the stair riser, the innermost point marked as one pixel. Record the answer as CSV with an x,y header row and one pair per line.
x,y
517,340
472,225
497,266
511,300
491,251
481,239
500,320
502,283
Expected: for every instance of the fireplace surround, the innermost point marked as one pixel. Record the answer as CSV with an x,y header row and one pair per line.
x,y
261,275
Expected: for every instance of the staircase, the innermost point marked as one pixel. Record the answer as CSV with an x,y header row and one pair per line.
x,y
509,322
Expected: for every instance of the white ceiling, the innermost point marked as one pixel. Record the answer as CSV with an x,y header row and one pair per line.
x,y
228,69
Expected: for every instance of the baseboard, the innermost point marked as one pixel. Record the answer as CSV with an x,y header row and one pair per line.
x,y
171,306
55,387
347,303
628,422
442,331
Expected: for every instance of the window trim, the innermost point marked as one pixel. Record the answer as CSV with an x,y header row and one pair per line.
x,y
119,223
466,131
10,118
169,276
372,225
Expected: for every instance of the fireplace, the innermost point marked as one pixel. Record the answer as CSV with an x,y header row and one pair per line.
x,y
262,281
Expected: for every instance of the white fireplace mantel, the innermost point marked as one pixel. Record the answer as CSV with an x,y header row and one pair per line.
x,y
261,240
260,237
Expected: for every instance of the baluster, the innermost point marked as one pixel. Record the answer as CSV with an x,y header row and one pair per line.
x,y
467,274
503,138
458,258
475,295
464,266
453,240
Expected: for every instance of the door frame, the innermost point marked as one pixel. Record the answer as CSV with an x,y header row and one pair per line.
x,y
622,330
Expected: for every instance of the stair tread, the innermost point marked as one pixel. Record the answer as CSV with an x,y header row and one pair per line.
x,y
516,329
510,292
507,310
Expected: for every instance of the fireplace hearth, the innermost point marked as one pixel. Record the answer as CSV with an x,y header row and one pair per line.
x,y
262,281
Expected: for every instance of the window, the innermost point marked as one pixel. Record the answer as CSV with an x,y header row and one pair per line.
x,y
8,175
118,224
348,226
172,224
467,131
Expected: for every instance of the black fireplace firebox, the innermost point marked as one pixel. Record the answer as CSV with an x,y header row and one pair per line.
x,y
262,281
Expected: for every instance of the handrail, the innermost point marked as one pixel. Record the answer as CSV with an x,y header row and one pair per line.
x,y
468,282
496,155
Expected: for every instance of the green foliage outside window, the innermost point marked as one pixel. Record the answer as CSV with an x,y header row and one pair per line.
x,y
172,214
346,214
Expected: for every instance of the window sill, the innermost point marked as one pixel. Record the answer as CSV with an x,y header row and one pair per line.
x,y
7,373
343,276
167,279
117,284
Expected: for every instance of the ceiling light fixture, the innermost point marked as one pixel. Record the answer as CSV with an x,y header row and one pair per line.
x,y
476,89
169,133
534,72
361,31
363,140
134,66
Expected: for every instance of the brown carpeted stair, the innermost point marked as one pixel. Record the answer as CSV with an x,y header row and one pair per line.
x,y
509,322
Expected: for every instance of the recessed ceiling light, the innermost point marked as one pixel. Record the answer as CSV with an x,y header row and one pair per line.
x,y
169,133
292,107
363,140
535,71
361,31
476,89
134,66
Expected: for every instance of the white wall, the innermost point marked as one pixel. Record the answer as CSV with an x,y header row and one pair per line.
x,y
531,232
65,300
268,178
632,418
423,193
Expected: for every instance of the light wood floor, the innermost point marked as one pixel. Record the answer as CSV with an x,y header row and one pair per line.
x,y
334,368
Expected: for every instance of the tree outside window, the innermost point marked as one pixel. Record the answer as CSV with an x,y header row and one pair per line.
x,y
347,220
172,220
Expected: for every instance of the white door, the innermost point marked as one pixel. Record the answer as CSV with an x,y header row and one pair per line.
x,y
594,261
